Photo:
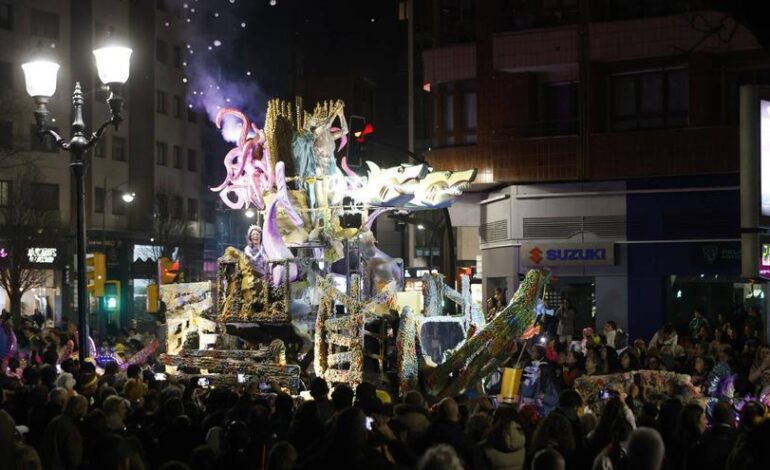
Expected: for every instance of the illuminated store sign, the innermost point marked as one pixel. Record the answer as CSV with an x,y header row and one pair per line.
x,y
41,255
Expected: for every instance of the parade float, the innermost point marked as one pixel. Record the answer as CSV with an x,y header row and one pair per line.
x,y
310,289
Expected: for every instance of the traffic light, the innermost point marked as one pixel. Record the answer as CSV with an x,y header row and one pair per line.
x,y
153,298
96,272
112,296
167,270
358,129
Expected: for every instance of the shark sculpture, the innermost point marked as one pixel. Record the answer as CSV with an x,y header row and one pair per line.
x,y
439,189
389,187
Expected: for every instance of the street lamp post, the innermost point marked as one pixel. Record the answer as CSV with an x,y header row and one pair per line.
x,y
40,76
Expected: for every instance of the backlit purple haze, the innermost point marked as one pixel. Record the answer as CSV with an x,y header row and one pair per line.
x,y
215,76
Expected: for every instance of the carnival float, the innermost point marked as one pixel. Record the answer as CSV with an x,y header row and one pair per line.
x,y
310,294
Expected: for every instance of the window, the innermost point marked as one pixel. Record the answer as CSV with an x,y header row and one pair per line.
x,y
178,207
6,75
118,148
559,109
100,149
192,116
44,144
161,153
192,160
45,196
209,212
45,24
160,51
102,32
5,193
650,100
161,200
177,106
160,102
455,113
99,200
192,209
6,15
177,56
118,204
178,157
6,134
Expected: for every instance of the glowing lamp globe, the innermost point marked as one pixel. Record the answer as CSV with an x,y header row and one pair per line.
x,y
113,64
40,77
128,197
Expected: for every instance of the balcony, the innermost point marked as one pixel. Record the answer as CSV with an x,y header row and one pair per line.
x,y
665,152
558,49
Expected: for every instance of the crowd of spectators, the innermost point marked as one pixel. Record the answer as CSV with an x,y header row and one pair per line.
x,y
58,413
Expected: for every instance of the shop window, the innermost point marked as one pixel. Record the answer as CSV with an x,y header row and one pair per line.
x,y
192,209
45,196
192,160
5,193
118,148
650,100
44,24
161,153
98,200
118,204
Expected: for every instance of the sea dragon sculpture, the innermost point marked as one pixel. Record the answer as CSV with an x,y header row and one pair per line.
x,y
272,241
491,347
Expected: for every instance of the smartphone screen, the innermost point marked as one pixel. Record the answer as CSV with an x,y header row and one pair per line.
x,y
203,382
160,376
369,423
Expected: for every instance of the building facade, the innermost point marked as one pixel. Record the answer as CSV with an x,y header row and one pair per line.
x,y
607,127
157,158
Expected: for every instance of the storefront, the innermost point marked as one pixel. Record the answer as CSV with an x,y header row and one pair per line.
x,y
45,266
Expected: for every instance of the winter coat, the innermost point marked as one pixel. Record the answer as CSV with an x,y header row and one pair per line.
x,y
62,444
508,454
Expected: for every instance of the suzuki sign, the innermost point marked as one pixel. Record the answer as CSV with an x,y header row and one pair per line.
x,y
567,254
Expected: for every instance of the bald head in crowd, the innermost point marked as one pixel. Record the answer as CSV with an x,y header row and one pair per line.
x,y
645,450
548,459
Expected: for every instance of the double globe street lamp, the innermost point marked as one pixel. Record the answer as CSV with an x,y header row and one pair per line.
x,y
113,65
